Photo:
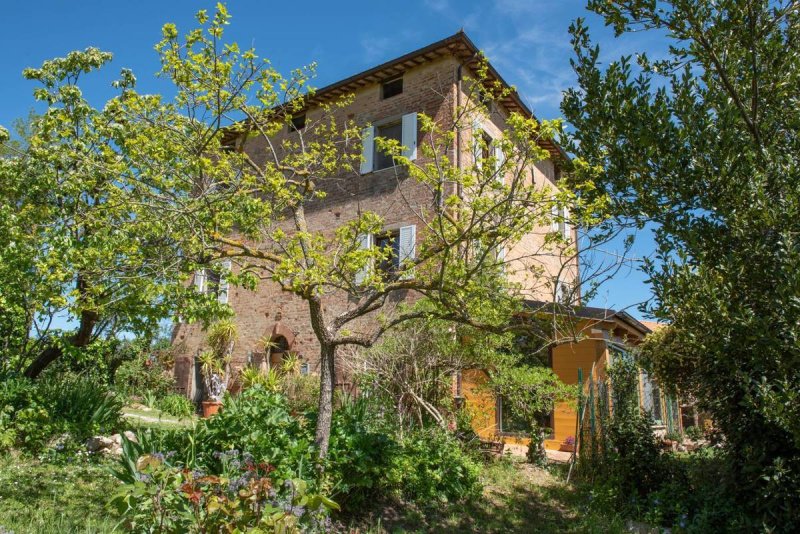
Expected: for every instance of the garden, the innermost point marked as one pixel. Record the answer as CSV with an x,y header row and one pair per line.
x,y
143,210
253,465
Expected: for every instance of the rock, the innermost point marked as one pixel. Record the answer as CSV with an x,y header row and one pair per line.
x,y
131,436
59,441
114,451
98,443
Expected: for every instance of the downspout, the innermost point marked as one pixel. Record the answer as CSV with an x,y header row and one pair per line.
x,y
459,191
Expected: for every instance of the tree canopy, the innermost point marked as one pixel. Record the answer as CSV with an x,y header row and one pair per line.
x,y
703,142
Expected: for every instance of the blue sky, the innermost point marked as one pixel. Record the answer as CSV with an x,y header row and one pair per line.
x,y
526,40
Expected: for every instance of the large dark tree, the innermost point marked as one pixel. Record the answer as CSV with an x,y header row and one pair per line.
x,y
704,144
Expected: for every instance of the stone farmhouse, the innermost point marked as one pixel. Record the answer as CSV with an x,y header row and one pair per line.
x,y
389,97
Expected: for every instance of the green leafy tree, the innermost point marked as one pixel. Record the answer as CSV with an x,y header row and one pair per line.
x,y
255,210
704,144
81,246
141,193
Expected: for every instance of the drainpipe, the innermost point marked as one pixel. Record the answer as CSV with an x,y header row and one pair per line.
x,y
458,128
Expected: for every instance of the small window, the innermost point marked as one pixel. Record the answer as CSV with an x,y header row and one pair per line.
x,y
512,423
392,88
390,240
304,368
651,399
387,131
213,279
297,123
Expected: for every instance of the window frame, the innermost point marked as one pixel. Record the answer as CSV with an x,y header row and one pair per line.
x,y
390,82
377,154
293,127
521,433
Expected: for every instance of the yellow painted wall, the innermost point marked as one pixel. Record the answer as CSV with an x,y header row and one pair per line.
x,y
481,404
567,359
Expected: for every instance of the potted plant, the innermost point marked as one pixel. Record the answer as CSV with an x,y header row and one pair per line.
x,y
568,445
215,364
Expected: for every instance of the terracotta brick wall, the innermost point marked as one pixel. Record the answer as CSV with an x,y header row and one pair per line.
x,y
429,88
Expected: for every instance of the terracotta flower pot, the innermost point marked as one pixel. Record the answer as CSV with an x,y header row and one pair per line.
x,y
210,408
567,447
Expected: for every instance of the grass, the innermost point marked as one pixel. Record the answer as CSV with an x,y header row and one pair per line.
x,y
40,497
154,418
516,498
70,496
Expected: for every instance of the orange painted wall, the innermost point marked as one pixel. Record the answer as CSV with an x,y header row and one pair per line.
x,y
567,359
481,404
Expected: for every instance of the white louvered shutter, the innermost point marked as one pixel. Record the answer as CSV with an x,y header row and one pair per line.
x,y
501,258
200,281
500,159
365,242
409,136
567,229
477,134
222,295
555,226
407,247
367,149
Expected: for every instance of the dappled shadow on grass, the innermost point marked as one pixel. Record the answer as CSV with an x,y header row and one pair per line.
x,y
517,498
42,498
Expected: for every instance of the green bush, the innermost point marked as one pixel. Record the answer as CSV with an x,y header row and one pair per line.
x,y
245,496
430,465
84,403
176,405
359,454
34,412
143,374
258,422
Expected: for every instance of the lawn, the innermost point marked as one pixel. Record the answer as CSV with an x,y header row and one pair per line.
x,y
41,497
517,497
153,417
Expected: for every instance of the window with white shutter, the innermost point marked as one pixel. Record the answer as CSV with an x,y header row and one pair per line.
x,y
367,149
407,247
555,224
222,293
365,242
566,229
409,135
200,281
500,159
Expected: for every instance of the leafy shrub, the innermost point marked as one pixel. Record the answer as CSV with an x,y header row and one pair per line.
x,y
33,412
695,433
83,402
141,374
358,454
301,391
430,465
159,496
258,421
176,405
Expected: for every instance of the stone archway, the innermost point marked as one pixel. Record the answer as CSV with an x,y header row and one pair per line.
x,y
282,339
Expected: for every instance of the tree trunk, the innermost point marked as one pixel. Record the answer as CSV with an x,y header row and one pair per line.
x,y
81,338
327,377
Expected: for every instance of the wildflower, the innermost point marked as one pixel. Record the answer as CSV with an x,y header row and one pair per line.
x,y
236,485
